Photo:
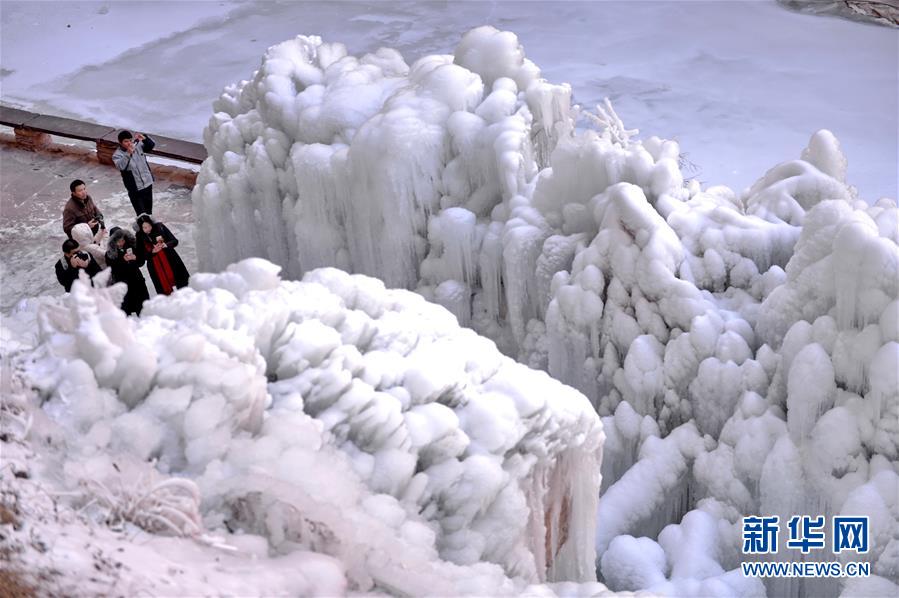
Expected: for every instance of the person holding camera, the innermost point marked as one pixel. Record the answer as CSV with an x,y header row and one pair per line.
x,y
95,245
167,271
72,263
131,161
81,208
125,261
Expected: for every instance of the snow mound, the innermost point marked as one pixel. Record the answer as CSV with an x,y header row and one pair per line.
x,y
741,347
330,415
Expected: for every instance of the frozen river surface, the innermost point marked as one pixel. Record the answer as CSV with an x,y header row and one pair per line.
x,y
741,85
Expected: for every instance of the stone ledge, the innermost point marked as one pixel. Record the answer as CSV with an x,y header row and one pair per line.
x,y
34,141
105,150
31,140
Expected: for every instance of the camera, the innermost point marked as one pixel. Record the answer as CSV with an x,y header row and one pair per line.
x,y
81,255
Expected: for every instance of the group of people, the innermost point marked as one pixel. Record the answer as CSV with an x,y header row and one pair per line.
x,y
91,248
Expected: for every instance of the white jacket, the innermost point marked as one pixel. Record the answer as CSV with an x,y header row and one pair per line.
x,y
94,245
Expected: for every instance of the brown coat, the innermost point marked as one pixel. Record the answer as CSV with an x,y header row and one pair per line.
x,y
76,212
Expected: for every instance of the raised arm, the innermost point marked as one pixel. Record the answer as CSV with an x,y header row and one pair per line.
x,y
147,144
121,160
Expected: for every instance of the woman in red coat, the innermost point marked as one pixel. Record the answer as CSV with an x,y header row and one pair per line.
x,y
158,244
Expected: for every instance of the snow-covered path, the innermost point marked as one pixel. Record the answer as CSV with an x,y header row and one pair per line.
x,y
34,189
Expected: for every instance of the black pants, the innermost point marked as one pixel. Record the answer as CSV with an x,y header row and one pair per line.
x,y
142,201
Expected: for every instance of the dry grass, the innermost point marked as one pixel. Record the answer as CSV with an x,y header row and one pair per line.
x,y
12,585
7,516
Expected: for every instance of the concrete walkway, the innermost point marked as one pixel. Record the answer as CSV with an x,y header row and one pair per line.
x,y
34,187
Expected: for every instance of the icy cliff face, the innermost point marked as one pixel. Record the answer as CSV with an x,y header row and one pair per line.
x,y
373,165
741,347
336,416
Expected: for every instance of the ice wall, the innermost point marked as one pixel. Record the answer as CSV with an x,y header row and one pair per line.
x,y
726,337
328,159
336,416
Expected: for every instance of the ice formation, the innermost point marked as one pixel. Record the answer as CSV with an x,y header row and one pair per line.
x,y
741,347
329,415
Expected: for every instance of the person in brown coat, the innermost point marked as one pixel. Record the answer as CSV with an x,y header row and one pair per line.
x,y
81,208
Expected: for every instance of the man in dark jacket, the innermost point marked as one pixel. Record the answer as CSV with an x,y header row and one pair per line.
x,y
80,208
131,161
72,263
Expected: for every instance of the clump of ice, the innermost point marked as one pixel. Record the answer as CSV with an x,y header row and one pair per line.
x,y
376,166
741,347
330,415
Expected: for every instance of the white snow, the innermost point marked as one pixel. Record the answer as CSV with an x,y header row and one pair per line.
x,y
309,414
588,254
739,347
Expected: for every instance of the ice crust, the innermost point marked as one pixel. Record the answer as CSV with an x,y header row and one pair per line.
x,y
753,332
741,347
332,415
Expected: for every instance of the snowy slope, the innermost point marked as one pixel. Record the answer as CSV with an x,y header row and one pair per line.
x,y
323,417
741,347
